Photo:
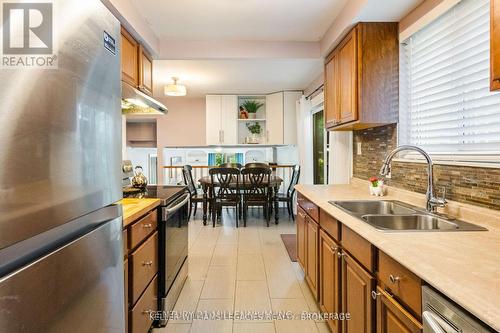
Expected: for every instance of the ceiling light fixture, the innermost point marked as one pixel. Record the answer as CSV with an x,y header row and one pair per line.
x,y
175,89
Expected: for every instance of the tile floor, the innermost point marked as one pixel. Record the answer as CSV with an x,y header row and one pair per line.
x,y
243,269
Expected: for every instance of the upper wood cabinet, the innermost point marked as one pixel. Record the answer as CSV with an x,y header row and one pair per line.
x,y
145,71
495,44
129,58
361,78
137,64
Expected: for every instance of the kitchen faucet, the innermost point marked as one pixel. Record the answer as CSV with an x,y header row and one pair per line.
x,y
432,201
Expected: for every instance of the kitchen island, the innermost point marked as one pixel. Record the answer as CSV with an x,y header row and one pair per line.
x,y
464,266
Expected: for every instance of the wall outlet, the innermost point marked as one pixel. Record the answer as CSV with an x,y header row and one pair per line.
x,y
358,148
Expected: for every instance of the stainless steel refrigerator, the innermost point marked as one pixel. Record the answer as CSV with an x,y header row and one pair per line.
x,y
61,260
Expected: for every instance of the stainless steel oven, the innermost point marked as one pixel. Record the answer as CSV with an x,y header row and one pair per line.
x,y
173,243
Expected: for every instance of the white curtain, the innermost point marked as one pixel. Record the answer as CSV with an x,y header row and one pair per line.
x,y
305,140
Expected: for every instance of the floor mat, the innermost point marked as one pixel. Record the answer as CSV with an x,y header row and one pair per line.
x,y
290,241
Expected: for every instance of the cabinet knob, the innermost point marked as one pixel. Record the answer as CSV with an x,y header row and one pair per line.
x,y
340,254
375,294
334,248
394,279
147,263
147,226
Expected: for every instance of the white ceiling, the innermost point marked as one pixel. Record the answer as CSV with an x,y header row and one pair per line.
x,y
241,76
262,20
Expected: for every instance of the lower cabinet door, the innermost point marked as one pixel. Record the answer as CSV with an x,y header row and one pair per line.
x,y
329,273
392,317
301,238
312,237
357,285
140,318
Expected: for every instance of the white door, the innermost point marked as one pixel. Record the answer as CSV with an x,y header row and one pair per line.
x,y
290,99
274,118
229,119
213,119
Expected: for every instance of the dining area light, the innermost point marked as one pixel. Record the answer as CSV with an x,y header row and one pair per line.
x,y
175,89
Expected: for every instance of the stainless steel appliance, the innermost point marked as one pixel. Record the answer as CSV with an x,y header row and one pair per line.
x,y
173,242
61,261
442,316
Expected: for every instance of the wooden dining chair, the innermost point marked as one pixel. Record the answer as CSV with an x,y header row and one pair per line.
x,y
195,197
225,191
256,191
290,192
256,165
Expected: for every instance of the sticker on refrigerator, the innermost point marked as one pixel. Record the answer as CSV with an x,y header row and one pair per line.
x,y
109,43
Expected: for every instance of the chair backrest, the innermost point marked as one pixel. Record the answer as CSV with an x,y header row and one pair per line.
x,y
231,165
294,180
256,181
256,165
188,179
225,182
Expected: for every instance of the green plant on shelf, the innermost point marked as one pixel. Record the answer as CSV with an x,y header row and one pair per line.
x,y
252,106
254,128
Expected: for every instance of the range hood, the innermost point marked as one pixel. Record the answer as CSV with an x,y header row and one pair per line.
x,y
137,102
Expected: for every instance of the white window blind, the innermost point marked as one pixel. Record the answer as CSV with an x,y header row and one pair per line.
x,y
446,105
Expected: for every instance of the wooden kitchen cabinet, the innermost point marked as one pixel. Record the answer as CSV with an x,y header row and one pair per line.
x,y
361,78
129,58
312,238
301,238
392,317
357,285
494,44
145,71
329,278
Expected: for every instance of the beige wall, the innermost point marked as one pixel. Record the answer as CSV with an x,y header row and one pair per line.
x,y
184,124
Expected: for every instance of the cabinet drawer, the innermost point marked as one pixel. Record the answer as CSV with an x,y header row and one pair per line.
x,y
140,321
358,247
311,209
142,228
144,266
329,224
400,282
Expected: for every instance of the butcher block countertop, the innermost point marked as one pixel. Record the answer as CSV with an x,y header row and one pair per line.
x,y
135,208
465,265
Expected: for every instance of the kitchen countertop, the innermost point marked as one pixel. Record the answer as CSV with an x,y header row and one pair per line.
x,y
465,265
134,208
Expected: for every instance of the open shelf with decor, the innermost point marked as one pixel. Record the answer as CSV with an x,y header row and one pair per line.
x,y
251,130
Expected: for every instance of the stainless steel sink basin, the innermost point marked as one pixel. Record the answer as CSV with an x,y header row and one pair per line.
x,y
391,215
409,222
363,207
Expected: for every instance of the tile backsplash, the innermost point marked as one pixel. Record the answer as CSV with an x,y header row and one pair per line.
x,y
473,185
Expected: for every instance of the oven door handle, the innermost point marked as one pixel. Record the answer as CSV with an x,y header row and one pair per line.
x,y
171,210
434,324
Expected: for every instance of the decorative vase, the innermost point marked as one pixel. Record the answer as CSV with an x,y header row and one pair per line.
x,y
252,115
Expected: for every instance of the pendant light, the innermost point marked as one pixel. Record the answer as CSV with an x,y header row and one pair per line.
x,y
175,89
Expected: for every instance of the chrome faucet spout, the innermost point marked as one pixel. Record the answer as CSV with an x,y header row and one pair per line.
x,y
432,201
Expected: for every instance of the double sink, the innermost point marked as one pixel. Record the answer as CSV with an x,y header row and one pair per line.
x,y
392,215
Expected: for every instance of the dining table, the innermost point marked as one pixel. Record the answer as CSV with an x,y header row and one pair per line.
x,y
274,182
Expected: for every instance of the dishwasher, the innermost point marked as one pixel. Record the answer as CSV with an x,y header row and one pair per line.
x,y
442,316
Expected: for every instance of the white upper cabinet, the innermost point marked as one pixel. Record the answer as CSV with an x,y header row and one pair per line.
x,y
221,119
274,119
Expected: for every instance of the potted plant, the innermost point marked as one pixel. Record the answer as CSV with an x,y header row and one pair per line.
x,y
376,186
252,106
255,129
